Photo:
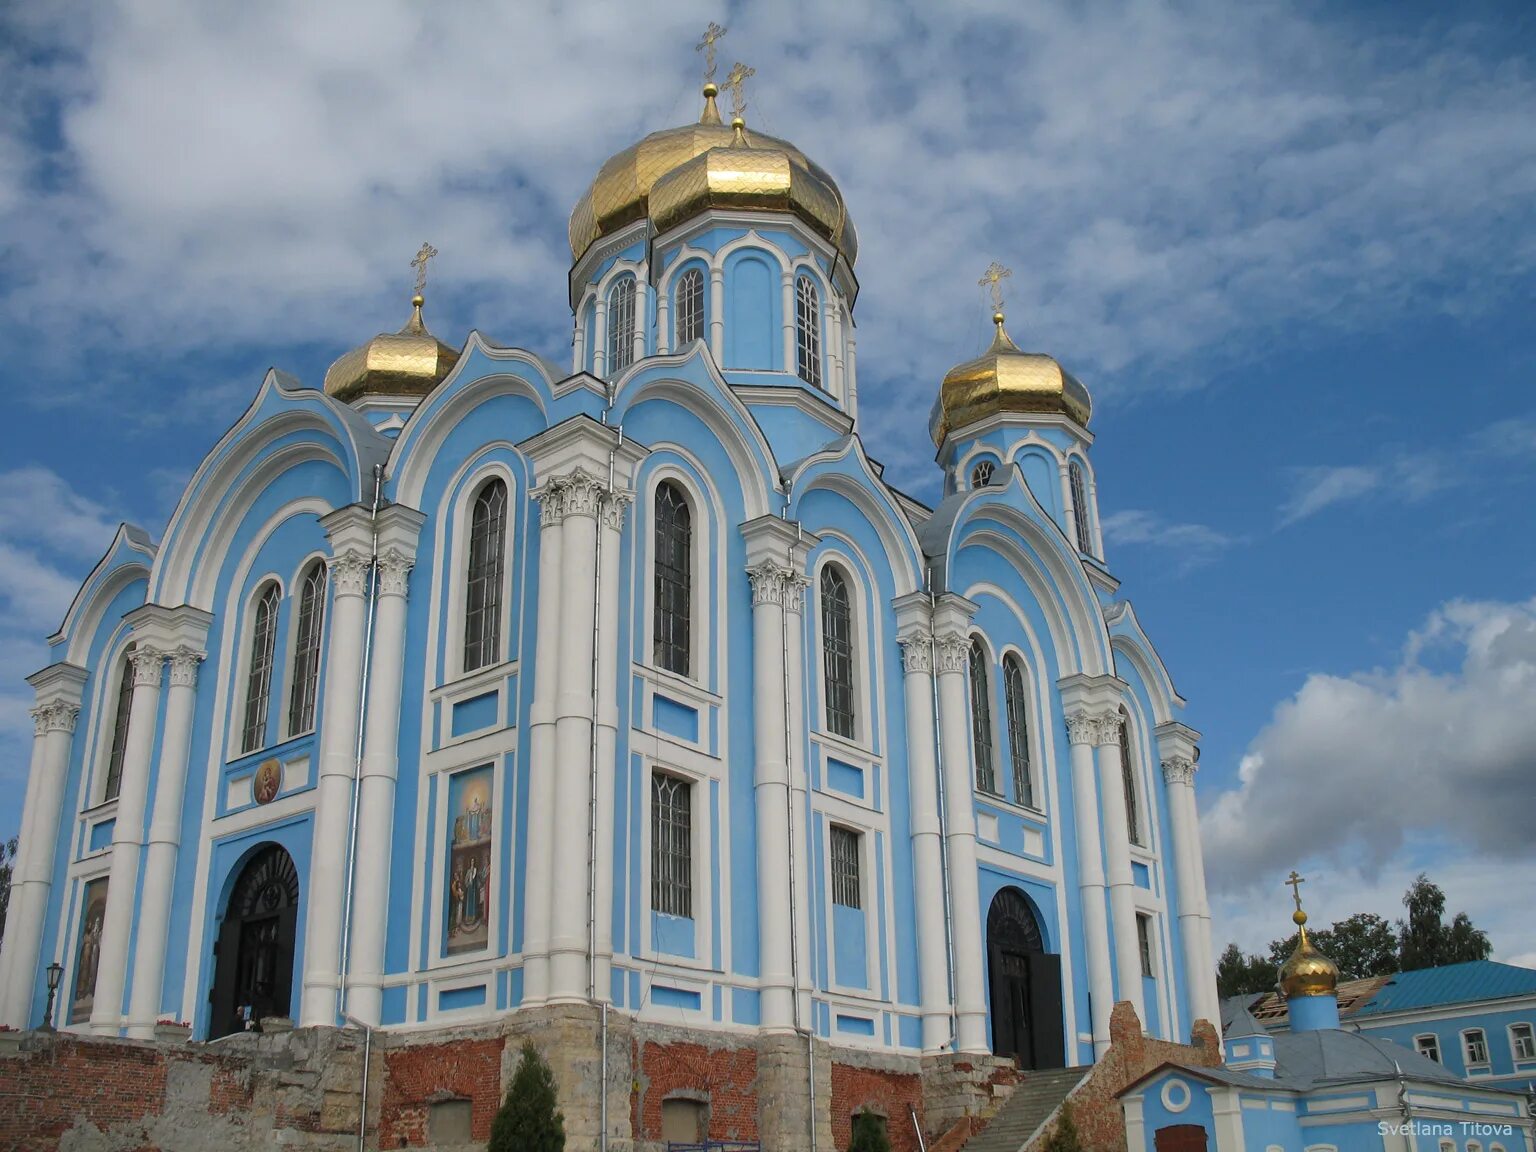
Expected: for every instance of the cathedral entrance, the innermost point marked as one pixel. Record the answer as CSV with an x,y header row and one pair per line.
x,y
1025,983
253,957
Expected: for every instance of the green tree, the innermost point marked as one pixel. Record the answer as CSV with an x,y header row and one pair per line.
x,y
1425,940
7,865
1361,945
1065,1137
869,1133
528,1120
1238,974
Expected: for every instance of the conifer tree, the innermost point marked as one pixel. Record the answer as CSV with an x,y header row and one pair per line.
x,y
1065,1137
528,1120
869,1133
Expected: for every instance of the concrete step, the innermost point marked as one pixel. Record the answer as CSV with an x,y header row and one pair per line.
x,y
1032,1102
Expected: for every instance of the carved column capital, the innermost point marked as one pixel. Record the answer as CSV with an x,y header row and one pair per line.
x,y
147,666
916,653
1110,726
1179,770
184,662
551,498
773,583
1083,727
611,511
394,572
56,716
348,573
583,493
954,653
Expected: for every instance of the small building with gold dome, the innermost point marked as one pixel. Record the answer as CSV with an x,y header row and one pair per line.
x,y
470,689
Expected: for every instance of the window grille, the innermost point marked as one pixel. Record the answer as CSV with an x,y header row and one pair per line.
x,y
807,332
837,651
1128,778
671,845
482,593
120,729
306,652
690,306
981,720
258,681
621,325
1017,701
1080,507
673,591
981,475
846,889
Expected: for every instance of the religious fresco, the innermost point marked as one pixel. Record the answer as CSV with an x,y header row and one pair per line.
x,y
88,951
467,881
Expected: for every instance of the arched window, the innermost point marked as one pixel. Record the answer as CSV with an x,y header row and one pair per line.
x,y
120,728
981,475
306,651
837,651
482,593
258,679
621,325
672,613
1079,507
1128,777
690,306
981,719
1018,729
807,332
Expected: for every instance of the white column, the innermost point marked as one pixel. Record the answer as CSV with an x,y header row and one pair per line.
x,y
787,292
376,795
348,576
53,726
1178,774
578,347
717,314
771,798
642,320
1117,856
960,843
611,525
1083,731
127,841
1093,516
600,339
1069,525
927,849
835,353
851,372
663,324
797,751
548,646
164,844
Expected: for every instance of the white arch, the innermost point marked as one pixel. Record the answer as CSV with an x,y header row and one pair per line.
x,y
111,575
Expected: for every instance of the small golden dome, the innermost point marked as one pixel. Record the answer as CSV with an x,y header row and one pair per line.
x,y
1006,379
675,173
410,362
1308,972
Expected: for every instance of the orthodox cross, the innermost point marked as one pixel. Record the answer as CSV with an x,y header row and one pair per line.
x,y
712,35
419,262
736,81
993,279
1294,882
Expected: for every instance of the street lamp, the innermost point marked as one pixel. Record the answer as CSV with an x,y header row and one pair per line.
x,y
55,971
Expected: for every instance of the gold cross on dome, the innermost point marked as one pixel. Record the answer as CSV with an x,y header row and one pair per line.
x,y
712,36
1294,882
993,279
735,82
419,262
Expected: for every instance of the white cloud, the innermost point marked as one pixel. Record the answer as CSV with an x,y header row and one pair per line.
x,y
1319,488
1190,544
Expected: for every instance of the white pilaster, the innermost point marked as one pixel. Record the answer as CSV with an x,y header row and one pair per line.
x,y
578,346
642,320
787,308
717,314
663,323
606,702
600,339
398,528
1083,733
1117,856
127,840
1177,749
852,373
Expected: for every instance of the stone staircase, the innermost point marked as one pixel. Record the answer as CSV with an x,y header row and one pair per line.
x,y
1038,1095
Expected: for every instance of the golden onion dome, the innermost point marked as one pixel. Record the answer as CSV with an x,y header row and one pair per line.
x,y
1308,972
676,173
410,362
1006,379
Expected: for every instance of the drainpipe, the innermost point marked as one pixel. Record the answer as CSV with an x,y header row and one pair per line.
x,y
938,759
362,1111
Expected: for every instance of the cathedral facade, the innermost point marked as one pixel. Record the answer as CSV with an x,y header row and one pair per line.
x,y
471,683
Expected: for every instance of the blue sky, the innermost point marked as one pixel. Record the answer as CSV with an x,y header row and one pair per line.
x,y
1289,248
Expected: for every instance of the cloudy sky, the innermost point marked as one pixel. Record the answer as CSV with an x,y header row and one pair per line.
x,y
1289,247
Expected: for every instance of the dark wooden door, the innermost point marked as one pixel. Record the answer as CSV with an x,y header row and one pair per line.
x,y
1180,1138
1025,985
253,967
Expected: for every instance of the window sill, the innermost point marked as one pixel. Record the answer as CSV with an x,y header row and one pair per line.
x,y
684,686
97,812
850,749
1038,815
479,678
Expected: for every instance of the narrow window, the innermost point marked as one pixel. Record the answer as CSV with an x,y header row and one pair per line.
x,y
482,593
1018,730
1079,507
621,325
1128,778
690,306
671,845
120,729
1144,943
837,651
306,651
807,332
1428,1045
981,720
258,681
981,475
1475,1045
845,868
1522,1040
674,580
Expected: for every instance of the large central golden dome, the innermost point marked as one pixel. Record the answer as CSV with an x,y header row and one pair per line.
x,y
676,173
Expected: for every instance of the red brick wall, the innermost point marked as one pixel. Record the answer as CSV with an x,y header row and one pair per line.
x,y
43,1095
417,1077
888,1093
728,1076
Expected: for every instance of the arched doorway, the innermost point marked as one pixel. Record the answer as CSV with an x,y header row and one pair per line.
x,y
253,958
1180,1138
1025,982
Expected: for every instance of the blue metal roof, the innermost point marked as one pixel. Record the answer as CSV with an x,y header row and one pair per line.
x,y
1453,984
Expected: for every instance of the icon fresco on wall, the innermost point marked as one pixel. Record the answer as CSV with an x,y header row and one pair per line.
x,y
468,879
268,782
88,951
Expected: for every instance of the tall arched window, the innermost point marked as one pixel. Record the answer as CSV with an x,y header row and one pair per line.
x,y
1017,701
837,651
306,651
981,719
690,306
258,678
807,332
1079,507
1128,776
120,728
482,593
621,325
672,612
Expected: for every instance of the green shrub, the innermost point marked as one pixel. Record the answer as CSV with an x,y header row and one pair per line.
x,y
528,1120
869,1133
1065,1138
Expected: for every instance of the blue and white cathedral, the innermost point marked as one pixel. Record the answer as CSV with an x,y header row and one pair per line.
x,y
471,682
